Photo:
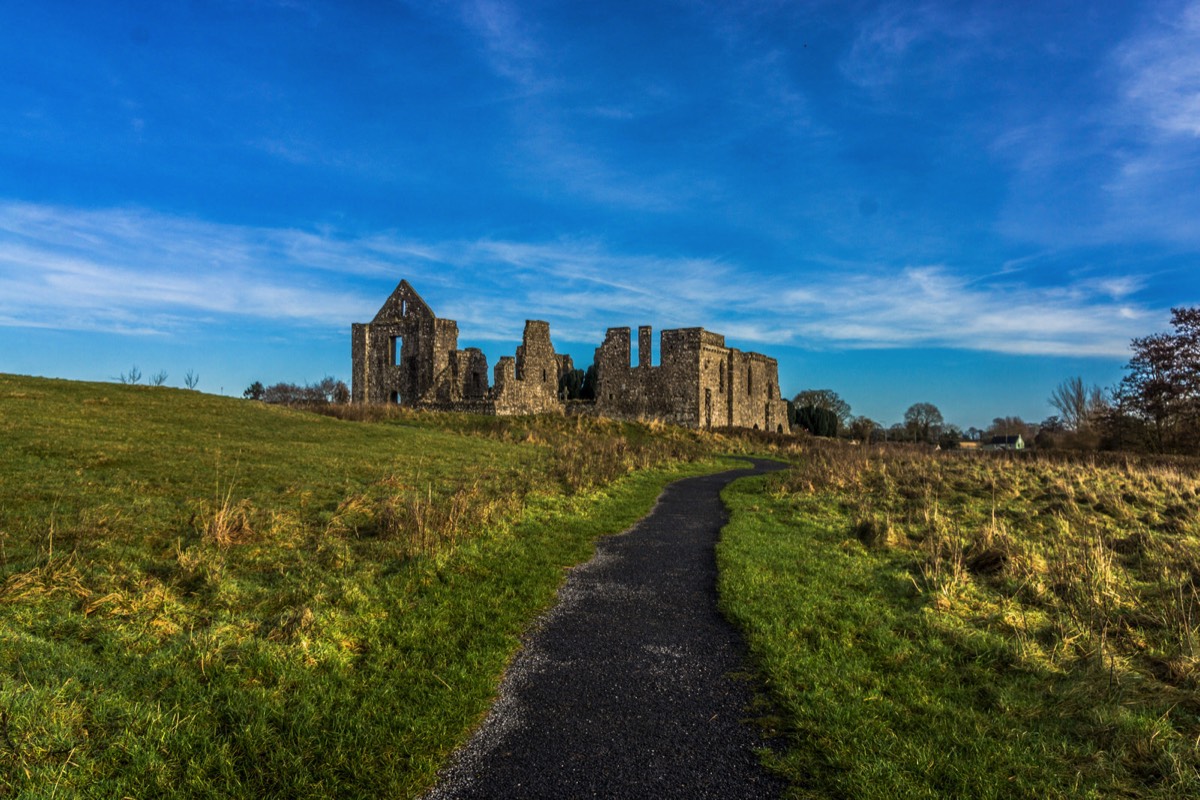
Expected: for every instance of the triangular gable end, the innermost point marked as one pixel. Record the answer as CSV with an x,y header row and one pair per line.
x,y
404,302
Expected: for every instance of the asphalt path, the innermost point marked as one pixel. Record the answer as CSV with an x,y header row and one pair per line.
x,y
628,687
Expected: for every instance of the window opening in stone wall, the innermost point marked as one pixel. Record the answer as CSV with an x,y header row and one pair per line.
x,y
721,383
543,376
749,381
395,351
403,308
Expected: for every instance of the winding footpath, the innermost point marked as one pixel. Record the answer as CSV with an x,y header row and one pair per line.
x,y
627,687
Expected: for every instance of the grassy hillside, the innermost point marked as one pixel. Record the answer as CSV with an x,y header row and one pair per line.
x,y
210,597
941,625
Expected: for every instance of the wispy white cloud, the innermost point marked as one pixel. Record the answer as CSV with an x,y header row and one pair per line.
x,y
934,306
1161,74
100,269
886,40
1121,164
137,272
509,44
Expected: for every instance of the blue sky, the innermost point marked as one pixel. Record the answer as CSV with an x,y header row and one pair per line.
x,y
957,203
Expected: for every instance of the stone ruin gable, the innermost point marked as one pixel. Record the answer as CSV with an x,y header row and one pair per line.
x,y
407,355
528,384
700,382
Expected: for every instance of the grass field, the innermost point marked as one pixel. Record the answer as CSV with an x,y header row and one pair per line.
x,y
202,596
208,597
940,625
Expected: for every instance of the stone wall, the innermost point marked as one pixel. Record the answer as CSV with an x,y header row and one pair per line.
x,y
408,355
700,382
528,384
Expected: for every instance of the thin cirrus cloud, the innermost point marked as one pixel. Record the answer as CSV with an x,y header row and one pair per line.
x,y
1161,80
508,44
140,272
880,53
1152,191
1118,166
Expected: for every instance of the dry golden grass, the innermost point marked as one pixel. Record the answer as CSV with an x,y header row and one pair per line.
x,y
1097,559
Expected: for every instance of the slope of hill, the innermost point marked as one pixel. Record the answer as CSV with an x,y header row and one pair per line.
x,y
212,597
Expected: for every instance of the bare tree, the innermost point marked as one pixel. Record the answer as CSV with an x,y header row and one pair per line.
x,y
1078,404
132,377
191,380
159,378
923,421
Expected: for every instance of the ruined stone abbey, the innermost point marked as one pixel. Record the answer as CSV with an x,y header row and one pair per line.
x,y
408,355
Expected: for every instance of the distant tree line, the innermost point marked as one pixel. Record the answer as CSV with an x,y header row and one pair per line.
x,y
324,392
822,412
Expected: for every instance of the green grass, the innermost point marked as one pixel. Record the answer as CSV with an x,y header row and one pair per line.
x,y
941,626
204,597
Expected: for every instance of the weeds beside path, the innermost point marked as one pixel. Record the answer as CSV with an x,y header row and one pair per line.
x,y
941,625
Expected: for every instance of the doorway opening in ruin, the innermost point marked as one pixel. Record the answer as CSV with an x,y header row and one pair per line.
x,y
412,379
394,399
